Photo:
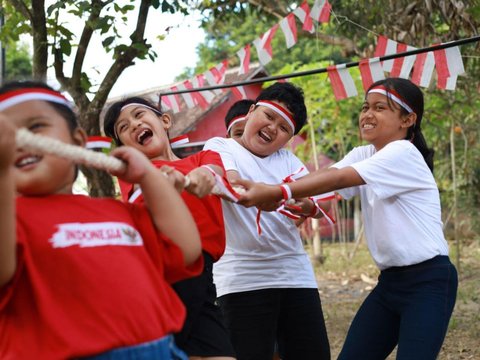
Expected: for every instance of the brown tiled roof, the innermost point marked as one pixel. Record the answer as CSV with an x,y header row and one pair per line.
x,y
186,119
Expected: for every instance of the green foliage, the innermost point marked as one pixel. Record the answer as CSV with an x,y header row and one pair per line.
x,y
18,64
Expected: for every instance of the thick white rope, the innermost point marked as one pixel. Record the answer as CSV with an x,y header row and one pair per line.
x,y
77,154
98,160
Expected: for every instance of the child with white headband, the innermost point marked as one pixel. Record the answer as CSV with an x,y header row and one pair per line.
x,y
265,280
136,122
416,291
83,277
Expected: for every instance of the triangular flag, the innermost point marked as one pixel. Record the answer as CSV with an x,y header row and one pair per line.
x,y
198,99
342,82
321,11
187,96
171,101
289,28
303,13
244,55
239,92
371,71
264,45
198,82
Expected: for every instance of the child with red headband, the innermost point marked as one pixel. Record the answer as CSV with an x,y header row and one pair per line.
x,y
136,122
416,291
265,280
236,118
83,277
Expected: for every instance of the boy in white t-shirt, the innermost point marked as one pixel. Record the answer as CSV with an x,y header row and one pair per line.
x,y
265,281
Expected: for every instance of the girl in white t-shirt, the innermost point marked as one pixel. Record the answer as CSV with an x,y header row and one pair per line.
x,y
414,299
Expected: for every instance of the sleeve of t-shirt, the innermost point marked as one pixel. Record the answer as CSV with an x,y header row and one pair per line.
x,y
220,146
352,157
395,169
166,255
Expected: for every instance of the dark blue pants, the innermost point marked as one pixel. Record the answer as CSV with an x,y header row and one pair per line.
x,y
410,306
292,317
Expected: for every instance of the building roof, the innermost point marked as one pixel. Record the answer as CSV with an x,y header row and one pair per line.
x,y
186,119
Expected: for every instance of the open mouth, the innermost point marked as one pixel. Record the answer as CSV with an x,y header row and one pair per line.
x,y
264,136
368,126
27,160
144,135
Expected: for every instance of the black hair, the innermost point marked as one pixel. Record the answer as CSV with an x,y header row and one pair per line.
x,y
239,108
65,111
413,97
291,96
113,112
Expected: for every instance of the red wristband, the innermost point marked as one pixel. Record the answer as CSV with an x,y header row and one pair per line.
x,y
286,192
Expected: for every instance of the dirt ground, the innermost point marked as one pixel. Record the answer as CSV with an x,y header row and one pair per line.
x,y
347,276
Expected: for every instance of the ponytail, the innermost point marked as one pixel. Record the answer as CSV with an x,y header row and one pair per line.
x,y
418,140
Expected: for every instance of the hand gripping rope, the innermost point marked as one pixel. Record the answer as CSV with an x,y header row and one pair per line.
x,y
80,155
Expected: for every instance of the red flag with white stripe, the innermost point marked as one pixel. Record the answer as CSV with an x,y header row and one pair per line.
x,y
179,140
198,98
423,69
289,28
99,142
449,64
171,101
244,55
187,96
216,75
371,71
321,11
263,45
341,81
303,13
199,81
385,47
402,66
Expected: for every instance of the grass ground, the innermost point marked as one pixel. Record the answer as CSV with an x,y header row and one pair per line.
x,y
345,278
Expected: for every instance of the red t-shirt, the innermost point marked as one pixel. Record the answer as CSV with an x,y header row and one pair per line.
x,y
207,211
92,275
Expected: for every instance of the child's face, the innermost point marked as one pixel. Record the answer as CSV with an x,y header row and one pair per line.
x,y
266,131
381,123
37,174
141,128
237,130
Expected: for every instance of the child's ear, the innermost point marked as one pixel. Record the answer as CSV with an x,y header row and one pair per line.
x,y
166,120
409,120
79,137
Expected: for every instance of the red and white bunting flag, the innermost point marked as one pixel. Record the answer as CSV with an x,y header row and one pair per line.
x,y
289,28
244,55
99,142
342,82
197,97
171,101
423,69
263,45
321,11
179,140
449,62
402,66
449,83
303,13
216,75
187,96
371,71
239,92
385,47
199,81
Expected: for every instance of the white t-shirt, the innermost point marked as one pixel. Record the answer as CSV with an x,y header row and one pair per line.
x,y
275,258
400,203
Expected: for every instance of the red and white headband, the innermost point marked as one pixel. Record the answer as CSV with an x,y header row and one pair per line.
x,y
279,110
18,96
392,95
235,120
156,111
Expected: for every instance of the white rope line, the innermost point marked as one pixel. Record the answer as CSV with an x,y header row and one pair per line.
x,y
77,154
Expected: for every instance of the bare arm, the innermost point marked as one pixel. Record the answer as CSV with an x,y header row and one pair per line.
x,y
318,182
7,202
168,210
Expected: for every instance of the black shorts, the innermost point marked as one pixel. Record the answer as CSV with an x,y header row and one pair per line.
x,y
204,332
